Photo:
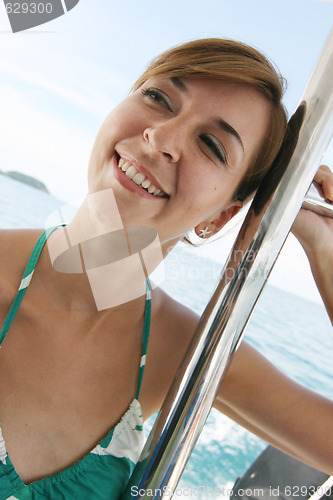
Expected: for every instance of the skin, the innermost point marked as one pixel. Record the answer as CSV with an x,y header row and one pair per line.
x,y
167,144
68,370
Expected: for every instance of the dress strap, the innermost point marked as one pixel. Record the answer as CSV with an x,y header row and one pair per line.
x,y
146,330
27,275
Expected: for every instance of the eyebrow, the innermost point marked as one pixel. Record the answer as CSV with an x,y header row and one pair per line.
x,y
226,127
222,124
178,83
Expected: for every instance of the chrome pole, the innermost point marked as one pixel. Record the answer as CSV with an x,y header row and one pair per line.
x,y
220,329
315,202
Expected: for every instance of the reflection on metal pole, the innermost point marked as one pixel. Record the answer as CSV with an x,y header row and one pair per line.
x,y
258,244
315,202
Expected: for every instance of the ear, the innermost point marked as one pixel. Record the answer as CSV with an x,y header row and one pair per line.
x,y
226,215
209,228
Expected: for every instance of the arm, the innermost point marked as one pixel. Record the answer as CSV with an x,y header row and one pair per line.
x,y
315,233
259,397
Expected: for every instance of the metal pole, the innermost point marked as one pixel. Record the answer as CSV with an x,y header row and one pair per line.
x,y
257,246
316,203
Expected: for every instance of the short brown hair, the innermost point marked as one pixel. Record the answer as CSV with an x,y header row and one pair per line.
x,y
230,61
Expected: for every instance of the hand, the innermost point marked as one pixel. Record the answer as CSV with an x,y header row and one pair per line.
x,y
315,232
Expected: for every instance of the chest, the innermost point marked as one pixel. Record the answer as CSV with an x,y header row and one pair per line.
x,y
61,391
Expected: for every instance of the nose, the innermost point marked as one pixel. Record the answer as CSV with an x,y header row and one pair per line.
x,y
165,139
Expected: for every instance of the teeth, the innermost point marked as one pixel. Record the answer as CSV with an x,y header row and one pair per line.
x,y
125,166
139,178
130,172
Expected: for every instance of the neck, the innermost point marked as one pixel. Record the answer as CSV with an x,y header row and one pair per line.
x,y
115,261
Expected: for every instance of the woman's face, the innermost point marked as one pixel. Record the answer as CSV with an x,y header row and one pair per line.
x,y
192,140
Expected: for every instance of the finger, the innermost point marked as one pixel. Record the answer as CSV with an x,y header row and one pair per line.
x,y
324,177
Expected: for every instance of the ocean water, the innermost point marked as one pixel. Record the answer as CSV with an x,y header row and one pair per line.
x,y
293,333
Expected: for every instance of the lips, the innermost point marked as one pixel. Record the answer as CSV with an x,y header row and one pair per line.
x,y
140,179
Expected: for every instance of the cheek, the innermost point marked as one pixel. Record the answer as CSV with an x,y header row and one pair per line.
x,y
209,188
126,125
121,122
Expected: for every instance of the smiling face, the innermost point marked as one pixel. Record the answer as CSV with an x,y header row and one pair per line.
x,y
175,151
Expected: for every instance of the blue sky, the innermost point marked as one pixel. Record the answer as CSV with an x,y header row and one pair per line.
x,y
58,81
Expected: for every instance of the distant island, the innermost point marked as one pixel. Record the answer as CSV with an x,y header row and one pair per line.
x,y
27,179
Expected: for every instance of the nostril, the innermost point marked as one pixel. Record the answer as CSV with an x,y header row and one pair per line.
x,y
167,155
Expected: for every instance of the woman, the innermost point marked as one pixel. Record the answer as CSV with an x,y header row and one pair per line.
x,y
184,150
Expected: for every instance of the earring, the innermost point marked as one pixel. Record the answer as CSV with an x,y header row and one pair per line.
x,y
203,233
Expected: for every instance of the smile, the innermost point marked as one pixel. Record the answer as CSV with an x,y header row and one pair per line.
x,y
140,179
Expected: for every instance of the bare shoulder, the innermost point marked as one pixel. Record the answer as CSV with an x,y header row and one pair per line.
x,y
172,329
176,321
15,248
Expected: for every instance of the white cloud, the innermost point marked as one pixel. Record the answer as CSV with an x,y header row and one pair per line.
x,y
84,97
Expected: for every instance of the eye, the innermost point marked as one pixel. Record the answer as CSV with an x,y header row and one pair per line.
x,y
215,147
159,97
